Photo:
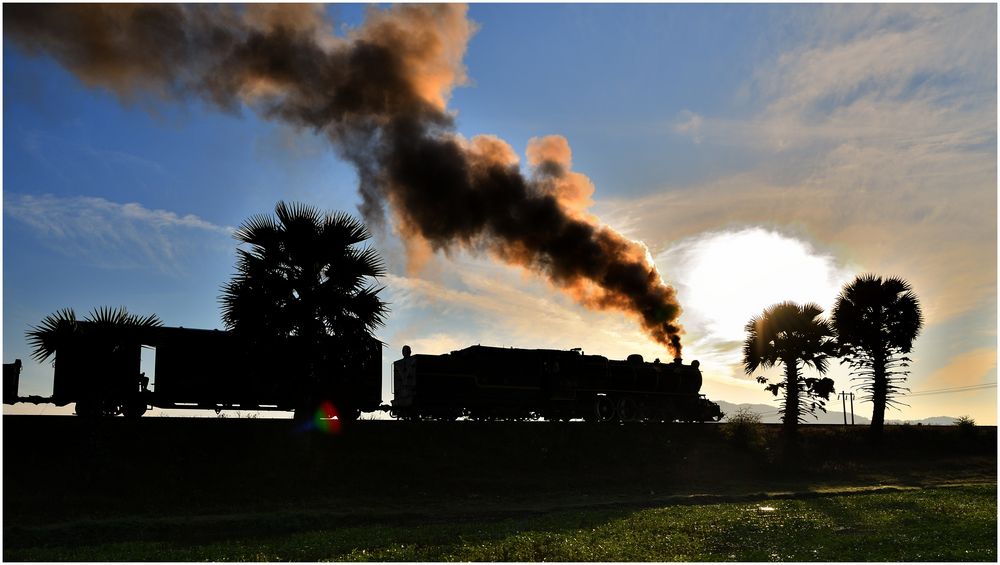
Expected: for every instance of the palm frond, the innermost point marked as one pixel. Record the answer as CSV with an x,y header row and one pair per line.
x,y
292,213
51,333
259,229
58,329
121,317
345,229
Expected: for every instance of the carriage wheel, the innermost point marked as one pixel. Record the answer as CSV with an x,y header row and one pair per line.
x,y
134,409
87,409
605,409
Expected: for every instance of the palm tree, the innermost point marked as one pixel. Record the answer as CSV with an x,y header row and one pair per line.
x,y
302,291
58,329
794,336
876,321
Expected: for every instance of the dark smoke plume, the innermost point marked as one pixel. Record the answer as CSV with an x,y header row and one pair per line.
x,y
380,95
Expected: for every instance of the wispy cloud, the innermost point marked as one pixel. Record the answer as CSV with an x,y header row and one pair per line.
x,y
689,124
974,367
62,157
110,234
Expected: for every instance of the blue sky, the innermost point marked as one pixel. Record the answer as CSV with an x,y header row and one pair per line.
x,y
760,152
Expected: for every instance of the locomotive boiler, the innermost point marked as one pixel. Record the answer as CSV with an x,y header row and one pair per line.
x,y
492,383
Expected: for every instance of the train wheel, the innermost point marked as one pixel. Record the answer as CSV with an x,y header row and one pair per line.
x,y
87,409
604,409
628,410
134,409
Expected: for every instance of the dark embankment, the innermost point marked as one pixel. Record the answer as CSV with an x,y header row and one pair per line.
x,y
71,483
62,469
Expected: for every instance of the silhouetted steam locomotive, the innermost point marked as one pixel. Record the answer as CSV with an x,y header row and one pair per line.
x,y
489,383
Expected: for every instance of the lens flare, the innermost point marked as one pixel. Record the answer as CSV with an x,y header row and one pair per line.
x,y
326,419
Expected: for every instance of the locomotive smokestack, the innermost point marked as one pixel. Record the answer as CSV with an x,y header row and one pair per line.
x,y
379,94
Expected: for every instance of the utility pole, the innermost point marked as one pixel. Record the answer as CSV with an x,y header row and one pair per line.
x,y
843,402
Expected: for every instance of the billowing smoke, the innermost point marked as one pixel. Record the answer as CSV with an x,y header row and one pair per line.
x,y
379,93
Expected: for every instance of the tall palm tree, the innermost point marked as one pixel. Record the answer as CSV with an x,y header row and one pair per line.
x,y
303,289
876,321
794,336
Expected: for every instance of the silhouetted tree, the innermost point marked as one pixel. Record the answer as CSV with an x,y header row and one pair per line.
x,y
796,337
303,287
58,328
876,321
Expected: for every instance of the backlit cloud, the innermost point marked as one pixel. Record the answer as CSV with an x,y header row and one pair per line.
x,y
972,368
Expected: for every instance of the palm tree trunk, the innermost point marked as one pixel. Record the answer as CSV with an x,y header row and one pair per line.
x,y
880,387
791,417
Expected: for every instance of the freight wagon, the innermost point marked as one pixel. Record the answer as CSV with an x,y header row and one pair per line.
x,y
199,369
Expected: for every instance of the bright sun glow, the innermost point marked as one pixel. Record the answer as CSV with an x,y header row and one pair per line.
x,y
725,278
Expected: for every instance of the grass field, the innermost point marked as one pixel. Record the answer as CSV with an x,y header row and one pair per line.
x,y
180,489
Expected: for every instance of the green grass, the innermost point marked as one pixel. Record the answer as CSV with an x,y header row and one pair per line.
x,y
935,524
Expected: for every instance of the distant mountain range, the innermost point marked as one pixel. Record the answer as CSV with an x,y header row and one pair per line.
x,y
769,415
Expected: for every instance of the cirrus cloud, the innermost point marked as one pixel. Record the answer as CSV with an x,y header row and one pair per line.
x,y
109,234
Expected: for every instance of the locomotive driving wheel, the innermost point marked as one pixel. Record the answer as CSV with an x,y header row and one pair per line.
x,y
628,410
605,409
